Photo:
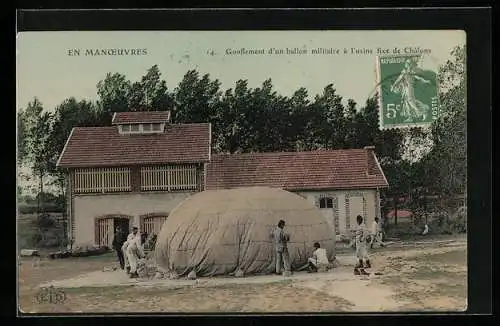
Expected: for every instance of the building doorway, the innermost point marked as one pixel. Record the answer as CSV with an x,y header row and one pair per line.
x,y
105,227
123,223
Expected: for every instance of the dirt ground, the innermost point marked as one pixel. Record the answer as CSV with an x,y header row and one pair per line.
x,y
424,278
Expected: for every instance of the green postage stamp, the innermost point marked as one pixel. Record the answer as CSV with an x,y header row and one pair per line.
x,y
408,93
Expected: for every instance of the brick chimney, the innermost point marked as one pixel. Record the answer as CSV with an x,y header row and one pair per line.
x,y
370,160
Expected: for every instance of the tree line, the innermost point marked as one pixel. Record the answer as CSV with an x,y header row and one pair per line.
x,y
246,119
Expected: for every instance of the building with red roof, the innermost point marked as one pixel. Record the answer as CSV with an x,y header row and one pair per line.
x,y
137,170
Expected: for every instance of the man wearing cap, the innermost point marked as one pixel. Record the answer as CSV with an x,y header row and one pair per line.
x,y
118,241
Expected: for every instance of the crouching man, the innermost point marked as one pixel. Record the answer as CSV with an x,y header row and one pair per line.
x,y
361,248
319,260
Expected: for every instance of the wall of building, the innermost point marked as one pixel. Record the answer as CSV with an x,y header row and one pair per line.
x,y
86,208
347,204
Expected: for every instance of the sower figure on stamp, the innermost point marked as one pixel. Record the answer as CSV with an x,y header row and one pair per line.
x,y
280,240
361,251
118,240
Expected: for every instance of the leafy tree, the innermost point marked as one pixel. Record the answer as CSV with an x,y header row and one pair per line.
x,y
118,94
447,161
21,137
388,143
267,118
197,99
333,128
38,127
151,93
113,95
442,169
233,131
299,107
69,114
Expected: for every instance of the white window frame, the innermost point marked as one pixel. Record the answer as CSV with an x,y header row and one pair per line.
x,y
133,125
141,128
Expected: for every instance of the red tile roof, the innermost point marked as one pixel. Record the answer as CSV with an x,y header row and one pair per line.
x,y
104,146
140,117
332,169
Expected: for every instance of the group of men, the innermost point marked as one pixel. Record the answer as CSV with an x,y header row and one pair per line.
x,y
319,259
129,249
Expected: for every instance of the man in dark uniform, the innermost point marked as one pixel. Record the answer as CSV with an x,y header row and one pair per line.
x,y
280,239
119,238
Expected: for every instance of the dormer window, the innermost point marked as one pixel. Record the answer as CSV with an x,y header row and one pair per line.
x,y
141,122
141,128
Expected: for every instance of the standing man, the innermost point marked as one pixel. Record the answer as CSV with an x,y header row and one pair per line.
x,y
135,251
426,229
280,240
361,251
118,240
129,240
376,235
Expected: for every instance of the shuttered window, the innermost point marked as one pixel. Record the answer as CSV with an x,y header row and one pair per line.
x,y
169,178
101,180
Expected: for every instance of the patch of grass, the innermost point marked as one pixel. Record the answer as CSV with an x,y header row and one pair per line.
x,y
223,297
181,288
91,290
434,280
457,257
433,274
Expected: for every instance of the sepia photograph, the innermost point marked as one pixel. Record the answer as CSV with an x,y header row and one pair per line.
x,y
256,171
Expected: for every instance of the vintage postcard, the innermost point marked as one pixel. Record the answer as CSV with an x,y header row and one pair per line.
x,y
241,171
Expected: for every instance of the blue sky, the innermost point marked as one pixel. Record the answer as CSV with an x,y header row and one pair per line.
x,y
45,70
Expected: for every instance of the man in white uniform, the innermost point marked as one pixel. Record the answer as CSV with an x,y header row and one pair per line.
x,y
319,260
376,234
135,251
361,250
130,238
